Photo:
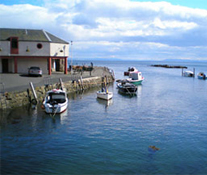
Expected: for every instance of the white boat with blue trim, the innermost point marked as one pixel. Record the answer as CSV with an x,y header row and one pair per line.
x,y
135,78
202,76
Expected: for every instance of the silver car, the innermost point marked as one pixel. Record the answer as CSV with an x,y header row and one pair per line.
x,y
35,71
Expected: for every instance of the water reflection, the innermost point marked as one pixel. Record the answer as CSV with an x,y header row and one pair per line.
x,y
106,103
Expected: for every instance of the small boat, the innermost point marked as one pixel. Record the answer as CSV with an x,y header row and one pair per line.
x,y
55,101
188,73
104,94
135,78
202,76
126,88
130,70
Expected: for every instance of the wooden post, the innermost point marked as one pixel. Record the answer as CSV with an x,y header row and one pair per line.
x,y
193,72
33,101
62,85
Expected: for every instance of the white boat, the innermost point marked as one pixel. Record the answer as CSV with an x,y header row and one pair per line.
x,y
188,73
130,70
104,94
55,101
135,78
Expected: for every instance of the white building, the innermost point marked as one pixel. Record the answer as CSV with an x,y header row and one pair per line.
x,y
23,48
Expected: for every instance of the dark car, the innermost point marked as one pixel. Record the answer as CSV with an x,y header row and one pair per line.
x,y
35,71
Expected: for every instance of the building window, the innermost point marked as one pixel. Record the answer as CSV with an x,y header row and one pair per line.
x,y
14,45
39,46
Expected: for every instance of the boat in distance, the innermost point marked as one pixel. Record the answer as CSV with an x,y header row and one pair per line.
x,y
55,101
188,73
202,76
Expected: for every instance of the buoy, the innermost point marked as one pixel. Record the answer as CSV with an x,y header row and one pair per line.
x,y
42,106
154,148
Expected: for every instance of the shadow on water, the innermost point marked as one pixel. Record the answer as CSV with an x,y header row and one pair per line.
x,y
29,115
14,116
127,95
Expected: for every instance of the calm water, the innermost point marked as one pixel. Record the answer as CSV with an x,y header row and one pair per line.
x,y
93,137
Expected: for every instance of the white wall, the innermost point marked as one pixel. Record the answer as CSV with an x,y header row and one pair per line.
x,y
23,64
48,49
55,49
33,50
5,48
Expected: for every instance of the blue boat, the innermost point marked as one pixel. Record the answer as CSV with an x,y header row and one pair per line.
x,y
202,76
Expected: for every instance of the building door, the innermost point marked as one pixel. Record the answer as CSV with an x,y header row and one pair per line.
x,y
5,66
57,63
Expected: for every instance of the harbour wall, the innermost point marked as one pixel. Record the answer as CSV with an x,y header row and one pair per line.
x,y
10,100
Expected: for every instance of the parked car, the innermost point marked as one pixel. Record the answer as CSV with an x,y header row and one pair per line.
x,y
35,71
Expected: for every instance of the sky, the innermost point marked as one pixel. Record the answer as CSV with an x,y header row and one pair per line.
x,y
117,29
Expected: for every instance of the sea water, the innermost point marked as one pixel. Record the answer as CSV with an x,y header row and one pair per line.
x,y
97,137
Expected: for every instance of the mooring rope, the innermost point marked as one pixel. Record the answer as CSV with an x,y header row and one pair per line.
x,y
54,112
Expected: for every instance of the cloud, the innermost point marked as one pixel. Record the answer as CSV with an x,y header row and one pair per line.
x,y
118,28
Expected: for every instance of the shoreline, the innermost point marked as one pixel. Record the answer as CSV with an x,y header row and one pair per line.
x,y
22,95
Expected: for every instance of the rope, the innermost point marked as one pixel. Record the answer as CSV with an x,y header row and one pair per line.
x,y
54,112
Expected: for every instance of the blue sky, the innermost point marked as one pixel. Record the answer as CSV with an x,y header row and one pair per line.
x,y
123,29
188,3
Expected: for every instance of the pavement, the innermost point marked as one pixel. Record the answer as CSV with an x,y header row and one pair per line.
x,y
19,82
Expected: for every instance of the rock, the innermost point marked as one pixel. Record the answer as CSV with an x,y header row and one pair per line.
x,y
168,66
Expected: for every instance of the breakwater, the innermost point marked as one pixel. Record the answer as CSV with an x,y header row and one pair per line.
x,y
21,98
169,66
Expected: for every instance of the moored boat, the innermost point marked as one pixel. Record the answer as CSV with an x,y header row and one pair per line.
x,y
188,73
105,95
55,101
135,78
202,76
126,88
130,70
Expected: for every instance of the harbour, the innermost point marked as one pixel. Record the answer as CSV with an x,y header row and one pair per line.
x,y
20,91
113,137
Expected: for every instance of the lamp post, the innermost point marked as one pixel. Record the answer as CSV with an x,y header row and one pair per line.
x,y
71,62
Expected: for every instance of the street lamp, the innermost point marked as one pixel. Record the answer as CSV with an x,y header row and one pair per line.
x,y
71,63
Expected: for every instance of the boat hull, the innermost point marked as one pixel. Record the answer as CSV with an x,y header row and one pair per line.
x,y
55,101
104,95
56,109
202,76
135,82
188,74
127,88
